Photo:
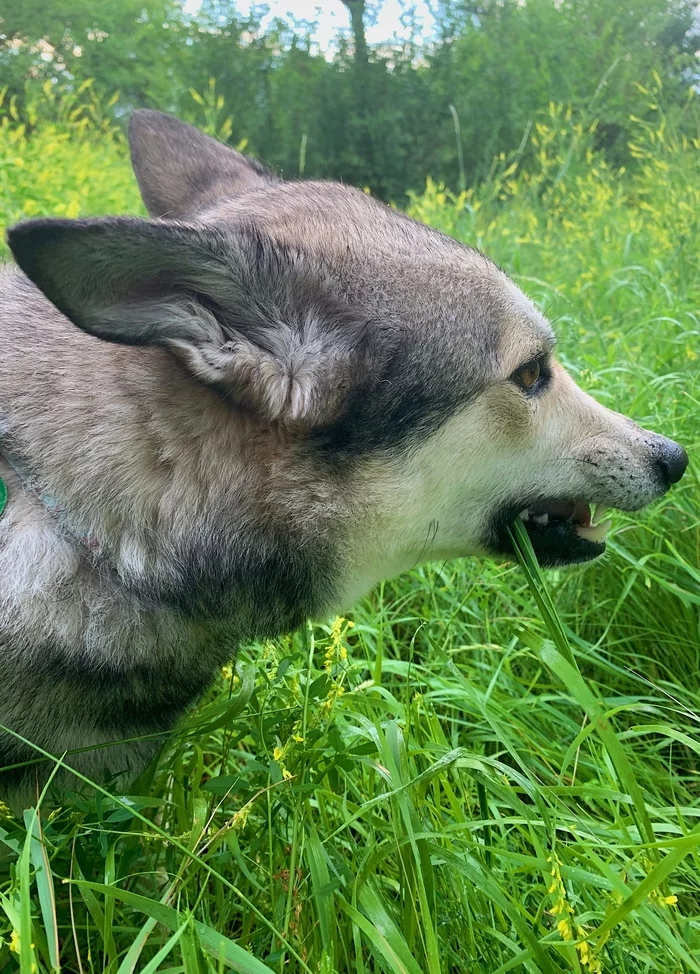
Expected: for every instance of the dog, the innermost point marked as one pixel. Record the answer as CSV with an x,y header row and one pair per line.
x,y
247,410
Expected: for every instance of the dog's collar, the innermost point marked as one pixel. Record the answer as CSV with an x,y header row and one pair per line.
x,y
51,503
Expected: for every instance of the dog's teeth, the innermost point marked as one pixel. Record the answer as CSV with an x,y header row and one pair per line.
x,y
599,512
541,519
595,532
524,515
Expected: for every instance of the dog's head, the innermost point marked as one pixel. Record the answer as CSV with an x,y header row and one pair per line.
x,y
404,369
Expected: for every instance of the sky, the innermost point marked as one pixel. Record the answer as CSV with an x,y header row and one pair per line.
x,y
332,15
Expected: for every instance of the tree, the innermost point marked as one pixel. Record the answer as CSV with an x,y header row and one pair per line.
x,y
376,117
129,45
357,22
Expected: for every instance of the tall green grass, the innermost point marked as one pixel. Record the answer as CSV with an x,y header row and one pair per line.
x,y
487,770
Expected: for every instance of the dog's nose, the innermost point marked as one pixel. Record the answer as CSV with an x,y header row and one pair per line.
x,y
671,460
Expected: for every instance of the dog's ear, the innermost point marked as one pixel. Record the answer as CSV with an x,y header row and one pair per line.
x,y
245,315
179,169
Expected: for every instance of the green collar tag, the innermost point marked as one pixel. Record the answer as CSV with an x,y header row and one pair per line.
x,y
3,495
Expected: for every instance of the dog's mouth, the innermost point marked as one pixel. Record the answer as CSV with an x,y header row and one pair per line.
x,y
562,532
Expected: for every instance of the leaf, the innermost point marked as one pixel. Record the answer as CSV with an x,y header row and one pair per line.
x,y
600,718
655,878
156,961
44,885
558,656
27,959
322,888
3,495
220,947
128,964
386,940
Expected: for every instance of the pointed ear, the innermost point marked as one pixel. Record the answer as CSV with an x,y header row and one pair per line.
x,y
111,275
243,314
179,169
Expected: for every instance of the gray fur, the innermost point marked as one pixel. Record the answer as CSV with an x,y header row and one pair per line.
x,y
180,169
241,413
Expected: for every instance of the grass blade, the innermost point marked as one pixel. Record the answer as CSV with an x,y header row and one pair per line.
x,y
218,946
45,886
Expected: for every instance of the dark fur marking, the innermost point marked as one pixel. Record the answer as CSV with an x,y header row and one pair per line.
x,y
140,696
263,577
12,773
409,402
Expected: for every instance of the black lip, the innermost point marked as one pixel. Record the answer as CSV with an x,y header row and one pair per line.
x,y
556,544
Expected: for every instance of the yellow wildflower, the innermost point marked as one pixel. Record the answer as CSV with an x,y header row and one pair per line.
x,y
240,817
15,945
567,929
656,897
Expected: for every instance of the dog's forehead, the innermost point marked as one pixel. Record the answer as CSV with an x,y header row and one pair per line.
x,y
341,225
396,269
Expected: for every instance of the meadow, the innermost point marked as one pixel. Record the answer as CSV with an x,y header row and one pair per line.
x,y
482,769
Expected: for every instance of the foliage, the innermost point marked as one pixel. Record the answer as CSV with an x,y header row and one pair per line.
x,y
509,60
62,156
116,42
434,788
381,119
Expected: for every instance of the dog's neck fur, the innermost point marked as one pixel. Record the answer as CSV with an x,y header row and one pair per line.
x,y
51,503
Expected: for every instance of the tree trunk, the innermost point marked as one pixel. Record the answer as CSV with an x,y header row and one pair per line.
x,y
357,22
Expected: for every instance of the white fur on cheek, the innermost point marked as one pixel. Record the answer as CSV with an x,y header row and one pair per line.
x,y
440,500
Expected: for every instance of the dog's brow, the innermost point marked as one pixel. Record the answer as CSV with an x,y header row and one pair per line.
x,y
549,342
541,347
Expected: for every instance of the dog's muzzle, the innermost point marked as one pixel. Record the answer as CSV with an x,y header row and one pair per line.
x,y
569,530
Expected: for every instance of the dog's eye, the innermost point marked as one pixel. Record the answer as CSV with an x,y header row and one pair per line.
x,y
527,376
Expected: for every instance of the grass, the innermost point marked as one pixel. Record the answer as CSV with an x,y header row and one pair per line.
x,y
485,770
